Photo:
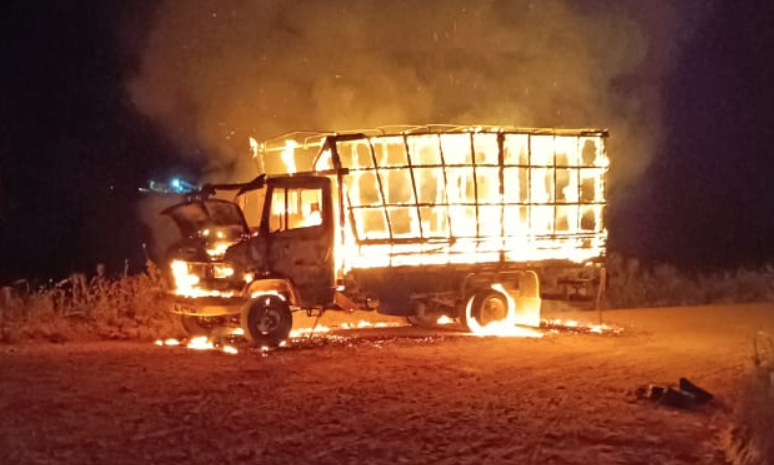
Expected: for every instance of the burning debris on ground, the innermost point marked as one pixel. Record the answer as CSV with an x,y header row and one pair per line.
x,y
380,333
573,326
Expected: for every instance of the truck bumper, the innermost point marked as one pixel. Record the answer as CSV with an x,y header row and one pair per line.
x,y
207,306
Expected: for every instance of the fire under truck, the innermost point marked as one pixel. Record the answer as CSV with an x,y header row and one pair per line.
x,y
472,223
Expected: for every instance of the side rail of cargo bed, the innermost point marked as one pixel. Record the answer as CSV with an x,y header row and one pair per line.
x,y
470,196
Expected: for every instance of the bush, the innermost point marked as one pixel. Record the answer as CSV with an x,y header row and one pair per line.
x,y
632,286
131,307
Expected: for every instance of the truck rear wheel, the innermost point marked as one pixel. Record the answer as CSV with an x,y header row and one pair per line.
x,y
267,322
487,306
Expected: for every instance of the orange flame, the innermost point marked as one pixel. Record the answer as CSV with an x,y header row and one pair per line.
x,y
187,283
506,327
444,320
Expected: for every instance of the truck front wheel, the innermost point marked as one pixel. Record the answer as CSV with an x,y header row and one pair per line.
x,y
268,321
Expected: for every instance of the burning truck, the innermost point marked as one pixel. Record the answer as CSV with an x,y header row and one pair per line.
x,y
476,224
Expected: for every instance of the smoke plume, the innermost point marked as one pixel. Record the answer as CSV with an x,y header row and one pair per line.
x,y
216,72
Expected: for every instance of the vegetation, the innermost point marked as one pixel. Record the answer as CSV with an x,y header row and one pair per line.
x,y
131,307
631,285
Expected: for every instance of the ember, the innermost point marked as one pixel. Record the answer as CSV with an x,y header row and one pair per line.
x,y
578,327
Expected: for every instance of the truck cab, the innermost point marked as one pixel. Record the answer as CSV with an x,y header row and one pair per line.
x,y
220,266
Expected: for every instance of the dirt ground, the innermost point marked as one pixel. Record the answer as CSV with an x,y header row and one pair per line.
x,y
396,395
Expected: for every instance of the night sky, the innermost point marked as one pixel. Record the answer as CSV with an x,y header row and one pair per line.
x,y
74,149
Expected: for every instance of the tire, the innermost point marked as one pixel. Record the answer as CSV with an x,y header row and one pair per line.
x,y
422,318
487,306
267,321
195,326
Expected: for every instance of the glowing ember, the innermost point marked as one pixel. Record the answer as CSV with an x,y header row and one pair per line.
x,y
230,350
503,329
444,320
559,324
307,332
200,343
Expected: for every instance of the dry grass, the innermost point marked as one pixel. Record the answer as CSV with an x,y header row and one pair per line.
x,y
131,307
632,286
752,441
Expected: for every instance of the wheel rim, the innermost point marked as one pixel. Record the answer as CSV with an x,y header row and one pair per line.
x,y
268,321
492,309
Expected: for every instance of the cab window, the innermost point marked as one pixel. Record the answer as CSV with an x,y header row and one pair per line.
x,y
295,209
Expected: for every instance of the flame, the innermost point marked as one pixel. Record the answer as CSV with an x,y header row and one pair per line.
x,y
548,206
254,147
289,157
503,328
230,350
576,325
444,320
204,343
221,271
199,343
308,332
187,283
218,249
366,324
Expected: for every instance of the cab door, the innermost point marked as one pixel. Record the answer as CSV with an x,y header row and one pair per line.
x,y
299,229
